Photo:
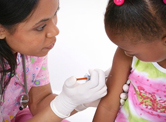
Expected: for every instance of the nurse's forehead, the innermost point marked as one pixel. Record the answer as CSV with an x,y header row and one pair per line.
x,y
44,10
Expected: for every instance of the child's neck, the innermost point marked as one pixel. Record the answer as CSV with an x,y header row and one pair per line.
x,y
162,63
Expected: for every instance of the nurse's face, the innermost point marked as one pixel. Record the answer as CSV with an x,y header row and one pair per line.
x,y
37,35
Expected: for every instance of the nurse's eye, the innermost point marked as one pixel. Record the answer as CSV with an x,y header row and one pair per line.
x,y
40,28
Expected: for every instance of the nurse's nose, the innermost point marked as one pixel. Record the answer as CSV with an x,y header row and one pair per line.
x,y
53,31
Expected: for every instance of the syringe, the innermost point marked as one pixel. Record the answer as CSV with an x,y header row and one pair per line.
x,y
87,77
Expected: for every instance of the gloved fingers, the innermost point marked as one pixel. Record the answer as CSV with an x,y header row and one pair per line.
x,y
107,72
124,94
125,88
97,80
102,92
101,76
92,104
123,97
97,94
94,81
70,82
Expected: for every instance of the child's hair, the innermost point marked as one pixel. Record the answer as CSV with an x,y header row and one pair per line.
x,y
12,12
145,19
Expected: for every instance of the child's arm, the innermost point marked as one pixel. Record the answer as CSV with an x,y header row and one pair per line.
x,y
109,105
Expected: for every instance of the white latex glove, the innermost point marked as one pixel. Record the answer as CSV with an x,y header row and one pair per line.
x,y
86,105
74,94
123,96
93,103
107,72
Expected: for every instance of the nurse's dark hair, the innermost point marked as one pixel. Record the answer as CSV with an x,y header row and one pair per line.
x,y
12,12
145,19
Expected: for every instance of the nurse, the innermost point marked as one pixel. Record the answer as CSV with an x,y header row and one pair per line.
x,y
27,33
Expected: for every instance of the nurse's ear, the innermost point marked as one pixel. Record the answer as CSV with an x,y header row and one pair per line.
x,y
2,32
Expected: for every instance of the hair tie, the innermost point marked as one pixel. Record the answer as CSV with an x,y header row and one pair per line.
x,y
164,1
120,2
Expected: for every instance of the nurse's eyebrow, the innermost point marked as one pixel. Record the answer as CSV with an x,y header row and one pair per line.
x,y
44,20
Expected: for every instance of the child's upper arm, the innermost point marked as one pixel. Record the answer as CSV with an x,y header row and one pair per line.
x,y
109,105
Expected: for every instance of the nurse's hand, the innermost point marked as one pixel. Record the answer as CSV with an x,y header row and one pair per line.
x,y
87,105
123,96
74,94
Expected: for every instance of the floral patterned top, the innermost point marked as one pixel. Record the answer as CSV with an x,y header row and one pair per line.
x,y
36,74
147,94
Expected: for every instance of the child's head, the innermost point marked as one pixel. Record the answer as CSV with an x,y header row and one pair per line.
x,y
138,27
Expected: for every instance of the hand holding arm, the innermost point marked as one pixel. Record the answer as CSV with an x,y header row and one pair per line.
x,y
96,102
74,94
109,105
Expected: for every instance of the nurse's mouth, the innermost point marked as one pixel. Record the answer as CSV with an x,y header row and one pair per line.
x,y
51,46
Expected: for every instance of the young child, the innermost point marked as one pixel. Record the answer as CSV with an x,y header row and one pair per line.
x,y
138,28
28,30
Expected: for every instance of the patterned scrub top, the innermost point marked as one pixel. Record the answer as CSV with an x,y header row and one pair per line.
x,y
147,94
37,75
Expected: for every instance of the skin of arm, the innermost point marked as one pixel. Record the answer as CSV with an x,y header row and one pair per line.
x,y
39,104
39,98
109,105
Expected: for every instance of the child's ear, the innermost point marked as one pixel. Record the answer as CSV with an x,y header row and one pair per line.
x,y
2,32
